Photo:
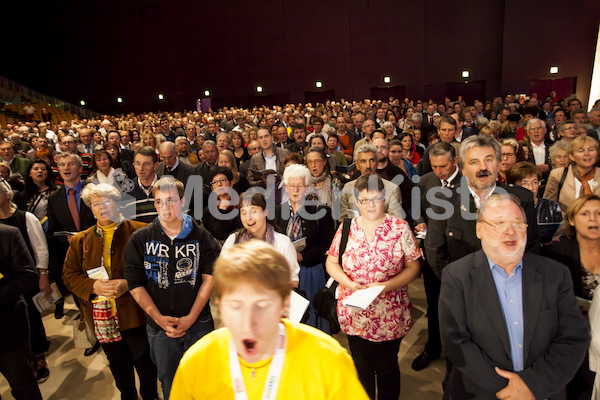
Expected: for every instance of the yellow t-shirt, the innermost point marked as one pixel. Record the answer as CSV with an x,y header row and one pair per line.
x,y
108,231
315,367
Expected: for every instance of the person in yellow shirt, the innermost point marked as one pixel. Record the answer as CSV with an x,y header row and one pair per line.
x,y
257,350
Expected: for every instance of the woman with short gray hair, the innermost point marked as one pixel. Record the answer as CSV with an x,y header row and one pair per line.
x,y
94,272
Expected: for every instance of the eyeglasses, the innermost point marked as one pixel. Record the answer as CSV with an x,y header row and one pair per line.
x,y
297,187
508,155
219,182
376,200
313,162
167,202
500,227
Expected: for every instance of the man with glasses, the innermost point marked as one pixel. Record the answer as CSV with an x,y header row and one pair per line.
x,y
168,267
536,132
451,232
567,130
509,320
221,203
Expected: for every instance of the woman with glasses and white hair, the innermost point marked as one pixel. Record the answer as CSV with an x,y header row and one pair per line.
x,y
94,272
381,251
310,226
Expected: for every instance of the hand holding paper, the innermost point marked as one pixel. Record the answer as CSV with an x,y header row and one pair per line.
x,y
361,299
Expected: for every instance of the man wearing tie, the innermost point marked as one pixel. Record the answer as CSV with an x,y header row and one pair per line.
x,y
170,164
67,214
86,144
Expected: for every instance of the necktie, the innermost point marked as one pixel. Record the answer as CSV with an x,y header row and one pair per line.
x,y
444,183
73,208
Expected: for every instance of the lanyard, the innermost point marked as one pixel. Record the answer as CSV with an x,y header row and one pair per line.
x,y
273,376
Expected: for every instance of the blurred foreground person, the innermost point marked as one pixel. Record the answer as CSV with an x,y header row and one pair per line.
x,y
258,354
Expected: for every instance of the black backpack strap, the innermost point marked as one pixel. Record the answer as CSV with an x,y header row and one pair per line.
x,y
562,179
344,241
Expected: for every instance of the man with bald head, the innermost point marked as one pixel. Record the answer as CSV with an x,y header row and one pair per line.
x,y
170,164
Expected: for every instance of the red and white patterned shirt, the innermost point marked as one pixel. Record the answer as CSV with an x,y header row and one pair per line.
x,y
389,317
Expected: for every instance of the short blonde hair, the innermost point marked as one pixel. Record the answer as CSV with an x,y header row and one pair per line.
x,y
581,141
574,207
256,262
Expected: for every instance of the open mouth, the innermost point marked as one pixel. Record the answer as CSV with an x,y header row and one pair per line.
x,y
249,345
593,228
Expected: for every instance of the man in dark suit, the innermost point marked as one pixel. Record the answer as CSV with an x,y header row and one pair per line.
x,y
170,164
446,130
428,125
66,213
451,228
536,132
445,174
509,320
17,276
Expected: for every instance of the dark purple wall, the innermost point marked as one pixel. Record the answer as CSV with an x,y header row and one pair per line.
x,y
538,35
99,50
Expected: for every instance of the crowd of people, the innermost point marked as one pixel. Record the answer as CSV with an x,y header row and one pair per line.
x,y
129,214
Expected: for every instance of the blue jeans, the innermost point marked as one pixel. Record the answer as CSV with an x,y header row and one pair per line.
x,y
166,352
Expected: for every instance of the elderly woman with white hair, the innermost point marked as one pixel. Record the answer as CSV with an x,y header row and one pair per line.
x,y
94,272
310,227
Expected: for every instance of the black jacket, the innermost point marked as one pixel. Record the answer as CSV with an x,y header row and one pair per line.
x,y
318,232
170,270
18,276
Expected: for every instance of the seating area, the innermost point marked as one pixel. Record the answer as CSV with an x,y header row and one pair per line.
x,y
13,113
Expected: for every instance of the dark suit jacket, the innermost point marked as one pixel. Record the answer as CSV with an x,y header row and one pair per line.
x,y
430,181
475,338
451,238
59,219
425,163
127,155
318,232
567,252
181,173
19,276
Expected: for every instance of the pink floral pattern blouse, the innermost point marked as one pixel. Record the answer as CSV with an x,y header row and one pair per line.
x,y
389,317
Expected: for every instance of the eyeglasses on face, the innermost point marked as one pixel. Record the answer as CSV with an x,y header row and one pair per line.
x,y
376,200
500,227
219,182
167,202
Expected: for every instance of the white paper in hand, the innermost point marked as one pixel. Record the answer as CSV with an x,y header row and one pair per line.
x,y
298,306
361,299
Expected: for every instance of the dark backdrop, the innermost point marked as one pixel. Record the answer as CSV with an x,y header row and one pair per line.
x,y
100,50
